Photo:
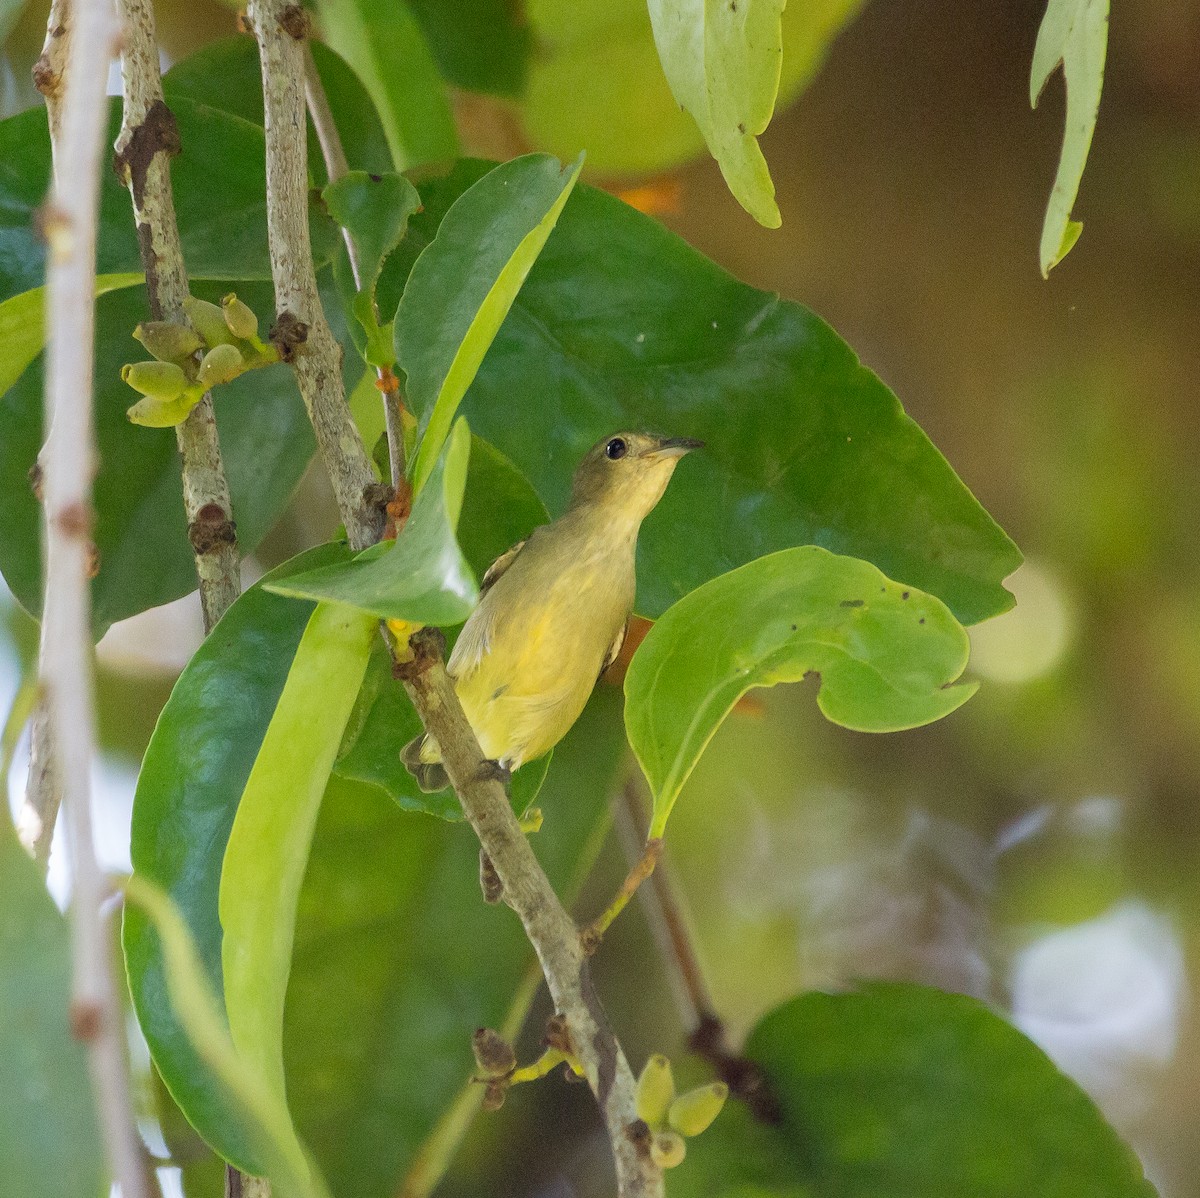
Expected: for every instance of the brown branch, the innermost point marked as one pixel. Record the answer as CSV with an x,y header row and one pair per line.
x,y
68,462
301,332
148,140
336,167
550,929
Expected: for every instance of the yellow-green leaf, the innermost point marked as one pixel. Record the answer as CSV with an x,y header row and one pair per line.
x,y
722,59
886,655
1075,34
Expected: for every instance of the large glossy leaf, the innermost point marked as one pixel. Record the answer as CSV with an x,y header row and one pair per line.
x,y
723,61
622,325
596,82
140,531
225,74
464,283
886,657
192,776
904,1090
262,1108
421,577
398,960
269,842
1075,34
479,45
49,1141
383,42
499,509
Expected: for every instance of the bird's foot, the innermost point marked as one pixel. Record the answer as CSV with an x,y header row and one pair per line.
x,y
494,771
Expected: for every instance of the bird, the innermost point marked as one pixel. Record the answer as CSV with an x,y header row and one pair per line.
x,y
553,610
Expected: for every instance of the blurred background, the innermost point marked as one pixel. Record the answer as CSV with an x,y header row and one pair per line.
x,y
1039,847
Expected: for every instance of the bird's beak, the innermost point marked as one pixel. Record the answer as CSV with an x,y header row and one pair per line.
x,y
676,447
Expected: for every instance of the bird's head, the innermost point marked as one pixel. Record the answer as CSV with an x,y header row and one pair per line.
x,y
626,474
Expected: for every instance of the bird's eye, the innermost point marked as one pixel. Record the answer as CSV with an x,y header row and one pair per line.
x,y
616,448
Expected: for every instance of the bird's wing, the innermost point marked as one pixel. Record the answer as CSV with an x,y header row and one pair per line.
x,y
496,570
614,650
476,637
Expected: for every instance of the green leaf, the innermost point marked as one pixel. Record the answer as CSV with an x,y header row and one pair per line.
x,y
622,325
194,1004
479,45
904,1090
421,577
464,284
722,59
193,774
23,325
885,655
397,959
225,74
49,1141
383,43
499,508
140,532
374,210
269,842
1075,34
596,81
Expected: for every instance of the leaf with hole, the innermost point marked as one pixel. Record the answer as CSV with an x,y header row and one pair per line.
x,y
886,657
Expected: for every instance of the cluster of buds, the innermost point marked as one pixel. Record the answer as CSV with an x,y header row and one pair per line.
x,y
498,1063
669,1116
221,343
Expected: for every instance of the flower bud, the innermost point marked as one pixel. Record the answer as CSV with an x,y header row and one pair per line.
x,y
493,1054
655,1089
667,1149
208,320
163,413
162,380
692,1112
167,341
219,365
493,1096
239,317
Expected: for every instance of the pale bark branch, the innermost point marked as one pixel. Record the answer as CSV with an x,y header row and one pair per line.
x,y
49,72
147,141
301,332
336,167
550,929
68,464
280,30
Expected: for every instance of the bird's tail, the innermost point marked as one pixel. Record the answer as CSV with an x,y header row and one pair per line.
x,y
420,759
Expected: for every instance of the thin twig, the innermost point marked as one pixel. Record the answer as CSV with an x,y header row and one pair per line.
x,y
549,928
336,167
663,908
43,794
280,29
301,332
68,463
148,139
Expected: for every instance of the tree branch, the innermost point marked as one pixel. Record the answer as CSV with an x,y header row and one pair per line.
x,y
301,332
49,72
68,463
280,29
550,929
148,140
336,167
